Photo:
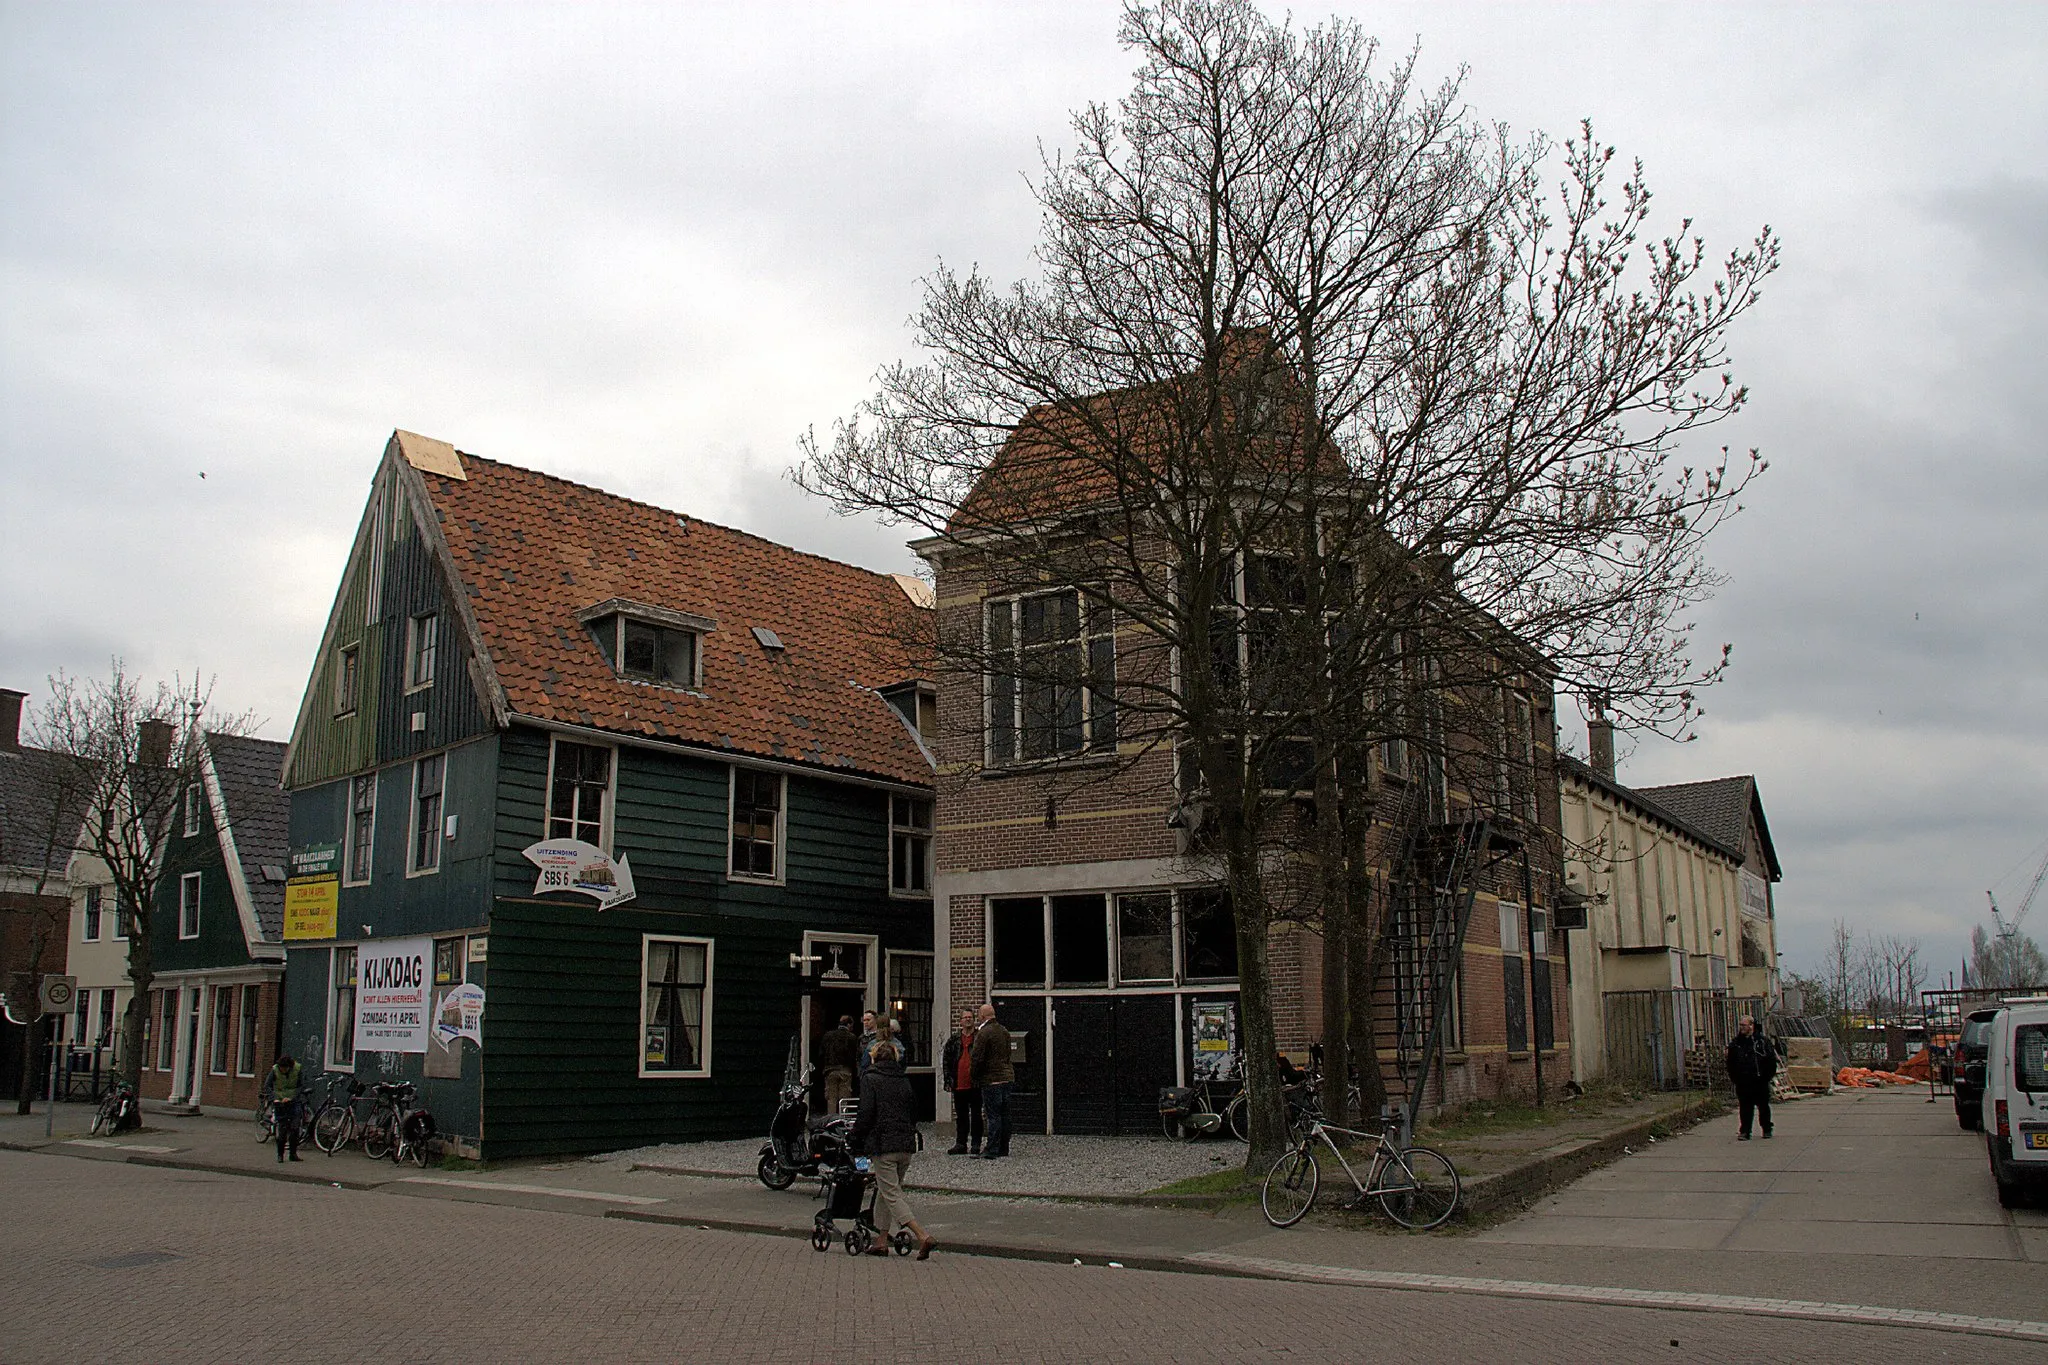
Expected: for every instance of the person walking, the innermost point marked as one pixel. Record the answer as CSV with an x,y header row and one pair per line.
x,y
286,1079
993,1075
956,1070
1752,1061
838,1055
886,1133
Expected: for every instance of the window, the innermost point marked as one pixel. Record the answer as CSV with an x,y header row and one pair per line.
x,y
756,824
582,776
123,916
245,1054
223,1023
660,654
1144,938
90,930
341,1011
1208,936
1052,676
1080,941
421,643
427,775
191,810
1017,941
1514,1000
362,827
910,1004
188,905
675,1006
448,961
345,679
82,1018
2030,1058
105,1036
167,1036
910,845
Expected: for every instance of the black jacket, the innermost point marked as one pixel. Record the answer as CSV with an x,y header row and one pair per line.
x,y
888,1113
837,1049
949,1062
1751,1060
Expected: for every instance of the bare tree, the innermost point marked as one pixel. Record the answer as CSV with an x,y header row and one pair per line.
x,y
2005,961
1345,417
132,753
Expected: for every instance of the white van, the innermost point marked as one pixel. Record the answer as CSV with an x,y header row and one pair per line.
x,y
2016,1098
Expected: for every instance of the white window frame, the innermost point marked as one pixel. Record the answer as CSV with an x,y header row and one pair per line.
x,y
412,826
348,830
611,794
1089,633
169,1013
327,1010
418,679
348,679
191,823
703,1068
249,1020
927,831
91,912
696,678
190,890
781,827
219,1047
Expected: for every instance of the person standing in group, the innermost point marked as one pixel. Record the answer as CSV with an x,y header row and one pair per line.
x,y
286,1079
838,1055
886,1133
868,1038
956,1070
1752,1061
993,1075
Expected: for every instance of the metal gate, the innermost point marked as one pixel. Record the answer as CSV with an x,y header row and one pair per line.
x,y
1673,1039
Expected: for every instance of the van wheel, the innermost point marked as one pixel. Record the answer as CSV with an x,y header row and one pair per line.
x,y
2008,1188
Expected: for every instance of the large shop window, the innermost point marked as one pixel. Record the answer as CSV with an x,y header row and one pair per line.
x,y
756,824
1144,937
578,794
1052,676
362,827
910,1004
1086,943
1208,936
1080,941
1017,939
675,1008
341,1010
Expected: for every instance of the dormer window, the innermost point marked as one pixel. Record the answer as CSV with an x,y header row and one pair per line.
x,y
649,644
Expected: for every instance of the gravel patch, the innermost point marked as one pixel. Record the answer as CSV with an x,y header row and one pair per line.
x,y
1037,1164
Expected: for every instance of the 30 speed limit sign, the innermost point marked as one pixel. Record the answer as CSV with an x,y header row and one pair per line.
x,y
58,993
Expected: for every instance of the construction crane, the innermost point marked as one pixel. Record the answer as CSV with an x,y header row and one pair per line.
x,y
2009,929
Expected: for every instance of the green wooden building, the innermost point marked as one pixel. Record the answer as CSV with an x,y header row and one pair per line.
x,y
597,809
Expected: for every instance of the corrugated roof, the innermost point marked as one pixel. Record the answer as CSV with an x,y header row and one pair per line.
x,y
535,553
251,773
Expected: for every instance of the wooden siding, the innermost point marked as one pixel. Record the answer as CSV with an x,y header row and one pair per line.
x,y
562,1027
221,942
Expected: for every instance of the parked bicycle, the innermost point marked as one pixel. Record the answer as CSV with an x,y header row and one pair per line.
x,y
266,1113
1417,1187
335,1124
395,1128
118,1111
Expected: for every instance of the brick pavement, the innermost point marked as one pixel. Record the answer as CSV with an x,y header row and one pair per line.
x,y
306,1272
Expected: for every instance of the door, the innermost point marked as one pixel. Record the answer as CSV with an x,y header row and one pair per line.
x,y
1084,1065
1145,1031
1024,1017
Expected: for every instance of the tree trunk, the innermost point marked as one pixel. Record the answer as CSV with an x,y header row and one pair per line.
x,y
141,974
24,1103
1337,1002
1256,1036
1364,1037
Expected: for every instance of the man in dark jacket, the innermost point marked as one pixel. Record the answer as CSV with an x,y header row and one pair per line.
x,y
956,1071
838,1052
886,1133
1752,1061
993,1075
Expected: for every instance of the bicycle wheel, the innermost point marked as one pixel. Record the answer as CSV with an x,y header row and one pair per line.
x,y
418,1152
266,1122
1290,1187
333,1129
378,1139
1420,1190
1240,1117
1171,1127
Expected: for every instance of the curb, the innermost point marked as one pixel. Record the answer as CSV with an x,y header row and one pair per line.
x,y
1199,1203
1487,1195
187,1164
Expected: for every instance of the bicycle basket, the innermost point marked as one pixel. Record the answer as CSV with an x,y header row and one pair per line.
x,y
419,1128
1176,1101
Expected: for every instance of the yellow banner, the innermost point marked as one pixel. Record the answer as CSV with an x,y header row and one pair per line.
x,y
310,905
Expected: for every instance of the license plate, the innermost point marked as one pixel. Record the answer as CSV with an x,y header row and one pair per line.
x,y
2037,1142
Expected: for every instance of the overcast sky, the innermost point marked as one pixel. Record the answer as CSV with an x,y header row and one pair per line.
x,y
647,247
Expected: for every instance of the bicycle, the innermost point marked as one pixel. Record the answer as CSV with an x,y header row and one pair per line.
x,y
1417,1186
395,1130
334,1123
115,1106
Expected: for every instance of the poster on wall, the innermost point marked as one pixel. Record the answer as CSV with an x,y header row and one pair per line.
x,y
310,907
1215,1026
585,869
393,982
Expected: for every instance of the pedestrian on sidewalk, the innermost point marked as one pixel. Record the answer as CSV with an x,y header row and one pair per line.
x,y
286,1078
838,1054
1752,1061
956,1068
993,1075
886,1133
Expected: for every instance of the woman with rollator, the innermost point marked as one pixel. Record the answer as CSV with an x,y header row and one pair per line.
x,y
886,1133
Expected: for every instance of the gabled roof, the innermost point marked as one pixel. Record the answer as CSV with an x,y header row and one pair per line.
x,y
1646,804
29,779
1723,806
252,813
534,554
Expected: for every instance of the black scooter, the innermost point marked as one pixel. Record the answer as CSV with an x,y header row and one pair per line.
x,y
799,1145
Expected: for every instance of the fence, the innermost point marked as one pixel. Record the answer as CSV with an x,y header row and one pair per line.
x,y
1672,1039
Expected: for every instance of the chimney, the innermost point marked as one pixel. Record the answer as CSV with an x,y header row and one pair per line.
x,y
10,719
1600,742
153,744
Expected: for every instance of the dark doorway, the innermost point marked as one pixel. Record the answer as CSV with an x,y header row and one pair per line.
x,y
827,1004
1025,1019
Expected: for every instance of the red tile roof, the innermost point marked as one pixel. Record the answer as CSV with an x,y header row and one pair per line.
x,y
534,551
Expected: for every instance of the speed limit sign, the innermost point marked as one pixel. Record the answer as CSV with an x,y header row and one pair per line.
x,y
58,993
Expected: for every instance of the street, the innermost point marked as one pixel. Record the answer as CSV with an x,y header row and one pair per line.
x,y
127,1261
